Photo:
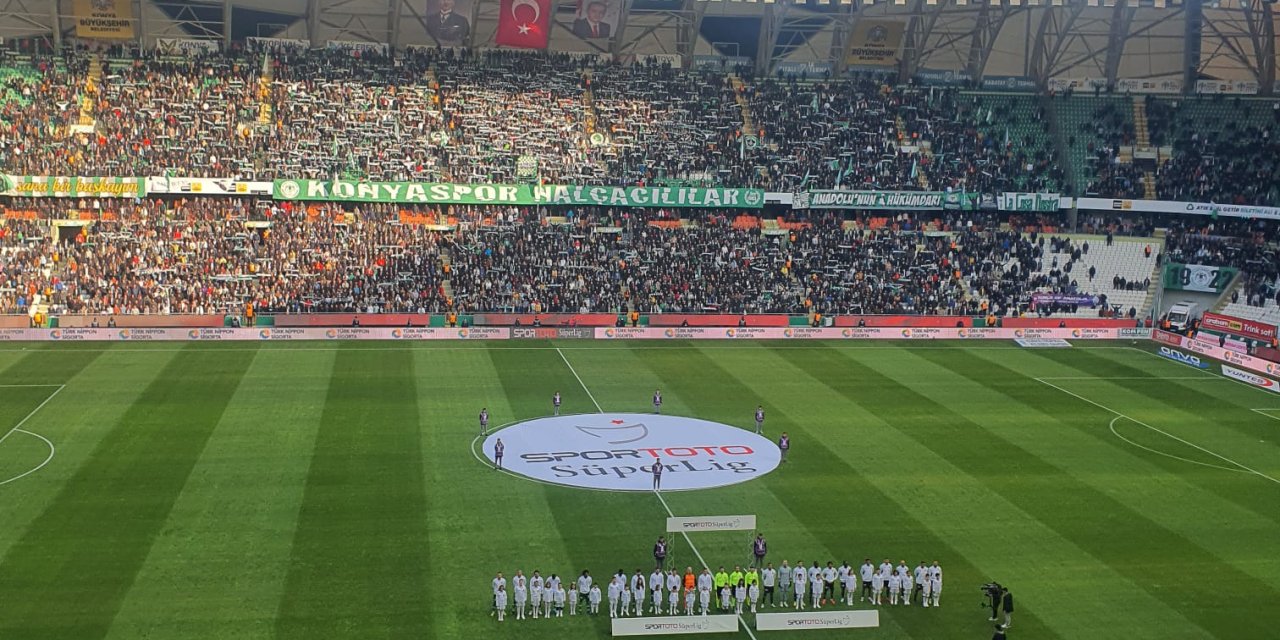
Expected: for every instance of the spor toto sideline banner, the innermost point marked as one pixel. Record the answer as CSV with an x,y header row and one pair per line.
x,y
711,523
670,625
520,194
818,620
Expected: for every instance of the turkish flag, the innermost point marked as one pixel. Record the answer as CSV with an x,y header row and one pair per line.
x,y
524,23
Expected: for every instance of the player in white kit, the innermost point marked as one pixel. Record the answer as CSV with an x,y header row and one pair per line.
x,y
521,588
593,599
535,594
500,601
615,592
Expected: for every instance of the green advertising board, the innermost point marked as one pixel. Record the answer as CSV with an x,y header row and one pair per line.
x,y
517,194
1198,277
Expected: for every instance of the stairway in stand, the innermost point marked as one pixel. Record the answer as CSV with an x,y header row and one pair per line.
x,y
264,91
91,84
748,123
1143,140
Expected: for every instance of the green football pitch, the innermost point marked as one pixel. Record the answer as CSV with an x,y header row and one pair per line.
x,y
333,490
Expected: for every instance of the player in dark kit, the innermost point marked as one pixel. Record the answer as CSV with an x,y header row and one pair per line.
x,y
784,445
657,474
759,420
555,403
484,422
498,448
657,401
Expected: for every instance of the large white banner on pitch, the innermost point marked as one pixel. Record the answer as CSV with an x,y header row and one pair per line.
x,y
818,620
673,625
711,523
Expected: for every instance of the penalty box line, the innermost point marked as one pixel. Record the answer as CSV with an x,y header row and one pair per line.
x,y
1159,431
18,427
662,500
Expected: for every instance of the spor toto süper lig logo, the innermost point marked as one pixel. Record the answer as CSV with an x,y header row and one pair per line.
x,y
617,451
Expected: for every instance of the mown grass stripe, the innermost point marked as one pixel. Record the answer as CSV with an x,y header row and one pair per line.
x,y
81,556
361,551
1126,541
528,379
1099,459
824,490
1147,404
223,554
1194,401
503,521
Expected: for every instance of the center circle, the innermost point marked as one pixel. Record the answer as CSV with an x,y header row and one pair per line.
x,y
617,451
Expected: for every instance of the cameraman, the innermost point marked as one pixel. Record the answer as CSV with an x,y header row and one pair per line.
x,y
1007,605
993,591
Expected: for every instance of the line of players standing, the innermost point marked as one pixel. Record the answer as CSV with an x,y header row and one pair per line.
x,y
536,596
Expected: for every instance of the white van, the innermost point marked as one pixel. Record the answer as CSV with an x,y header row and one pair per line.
x,y
1182,314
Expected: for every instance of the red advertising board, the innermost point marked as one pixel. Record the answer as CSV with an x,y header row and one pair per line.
x,y
1242,327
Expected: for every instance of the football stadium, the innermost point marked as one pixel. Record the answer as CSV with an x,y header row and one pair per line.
x,y
544,319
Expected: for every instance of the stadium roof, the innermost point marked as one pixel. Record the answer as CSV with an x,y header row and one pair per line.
x,y
1153,40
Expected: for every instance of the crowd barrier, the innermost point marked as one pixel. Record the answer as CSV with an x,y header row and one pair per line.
x,y
600,333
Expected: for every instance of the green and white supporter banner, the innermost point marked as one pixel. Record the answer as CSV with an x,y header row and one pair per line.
x,y
71,187
1043,202
519,194
887,200
1198,277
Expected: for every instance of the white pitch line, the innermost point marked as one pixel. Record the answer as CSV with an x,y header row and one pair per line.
x,y
745,627
52,451
1160,431
1112,426
1266,412
665,506
575,374
27,386
33,412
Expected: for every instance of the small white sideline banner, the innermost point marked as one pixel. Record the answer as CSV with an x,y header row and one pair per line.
x,y
674,625
818,620
711,523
